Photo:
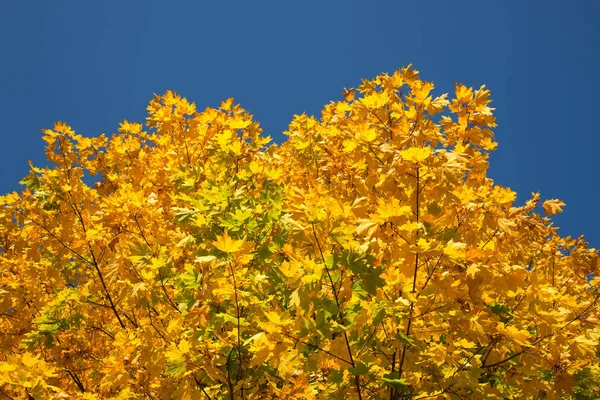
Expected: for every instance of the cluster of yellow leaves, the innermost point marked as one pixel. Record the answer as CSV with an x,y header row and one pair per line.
x,y
368,256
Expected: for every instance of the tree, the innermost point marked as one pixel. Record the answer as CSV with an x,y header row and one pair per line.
x,y
368,257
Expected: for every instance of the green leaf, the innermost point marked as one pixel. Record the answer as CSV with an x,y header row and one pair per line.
x,y
230,318
186,241
405,340
359,291
434,209
336,377
141,253
191,279
176,368
182,214
501,311
32,181
392,380
359,369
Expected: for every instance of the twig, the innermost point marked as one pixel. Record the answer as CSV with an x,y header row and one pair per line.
x,y
315,347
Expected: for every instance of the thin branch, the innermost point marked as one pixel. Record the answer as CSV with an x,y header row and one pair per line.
x,y
78,255
3,393
96,304
494,343
401,237
432,271
517,354
76,379
414,286
429,311
238,316
430,395
366,342
340,312
97,267
229,383
99,328
315,347
380,120
490,239
142,234
376,156
155,328
130,319
169,300
466,362
201,386
582,313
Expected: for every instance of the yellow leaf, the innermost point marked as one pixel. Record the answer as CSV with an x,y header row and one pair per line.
x,y
29,360
173,354
416,154
260,337
472,270
455,250
205,259
228,245
390,208
464,343
506,225
184,346
519,336
235,148
368,135
476,327
367,227
424,244
411,226
554,206
583,346
239,123
339,348
301,144
463,94
295,299
349,94
226,105
409,295
504,195
275,318
349,145
375,100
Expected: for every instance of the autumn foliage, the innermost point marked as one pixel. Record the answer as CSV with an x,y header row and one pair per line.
x,y
367,257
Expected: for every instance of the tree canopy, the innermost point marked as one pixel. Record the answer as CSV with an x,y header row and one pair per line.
x,y
367,257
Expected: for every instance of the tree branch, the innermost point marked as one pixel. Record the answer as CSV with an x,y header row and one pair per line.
x,y
340,312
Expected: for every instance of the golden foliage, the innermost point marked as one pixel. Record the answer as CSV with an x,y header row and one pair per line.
x,y
368,256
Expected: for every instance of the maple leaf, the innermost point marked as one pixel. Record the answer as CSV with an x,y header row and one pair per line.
x,y
416,154
455,250
227,245
519,336
463,94
205,259
375,100
583,346
554,206
472,270
349,94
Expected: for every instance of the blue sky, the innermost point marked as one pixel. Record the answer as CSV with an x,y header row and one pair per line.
x,y
96,63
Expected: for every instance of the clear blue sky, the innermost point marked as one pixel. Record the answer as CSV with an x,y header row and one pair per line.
x,y
95,63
